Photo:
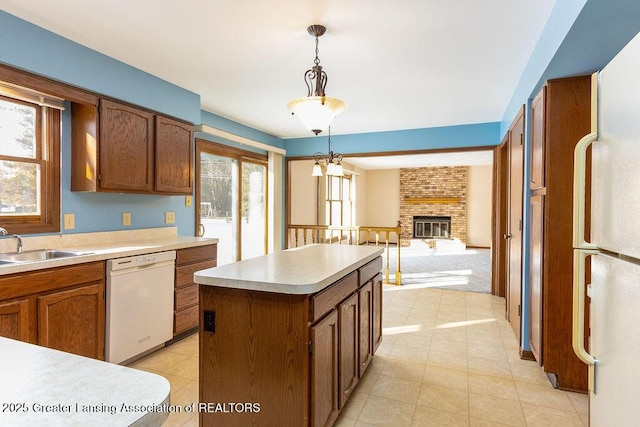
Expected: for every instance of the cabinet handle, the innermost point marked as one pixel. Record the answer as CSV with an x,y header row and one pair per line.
x,y
507,236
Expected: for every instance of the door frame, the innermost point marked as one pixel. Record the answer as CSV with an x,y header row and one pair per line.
x,y
499,217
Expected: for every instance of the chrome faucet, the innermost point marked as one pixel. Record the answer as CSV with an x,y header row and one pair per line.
x,y
4,232
19,237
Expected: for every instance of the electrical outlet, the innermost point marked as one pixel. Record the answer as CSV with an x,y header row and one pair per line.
x,y
209,321
169,217
69,221
187,201
126,218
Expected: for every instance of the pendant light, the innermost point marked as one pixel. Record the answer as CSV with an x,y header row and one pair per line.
x,y
316,110
331,161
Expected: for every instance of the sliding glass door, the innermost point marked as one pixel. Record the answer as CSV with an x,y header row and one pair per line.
x,y
231,200
253,210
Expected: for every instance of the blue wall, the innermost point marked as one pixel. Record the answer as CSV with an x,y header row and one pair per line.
x,y
31,48
472,135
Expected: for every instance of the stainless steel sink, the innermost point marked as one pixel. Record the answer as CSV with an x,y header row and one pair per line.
x,y
38,255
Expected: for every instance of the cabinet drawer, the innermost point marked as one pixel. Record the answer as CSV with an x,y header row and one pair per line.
x,y
328,299
185,319
369,271
186,297
184,274
196,254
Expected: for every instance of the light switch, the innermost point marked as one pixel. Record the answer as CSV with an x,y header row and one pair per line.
x,y
69,221
187,201
169,217
126,218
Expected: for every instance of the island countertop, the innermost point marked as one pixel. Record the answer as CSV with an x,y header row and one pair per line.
x,y
42,386
304,270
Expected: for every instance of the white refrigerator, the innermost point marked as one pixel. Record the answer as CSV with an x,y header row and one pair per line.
x,y
613,355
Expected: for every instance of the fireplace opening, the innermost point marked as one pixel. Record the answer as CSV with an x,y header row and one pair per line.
x,y
432,227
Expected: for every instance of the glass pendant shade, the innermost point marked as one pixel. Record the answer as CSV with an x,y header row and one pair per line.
x,y
331,169
317,170
338,171
316,112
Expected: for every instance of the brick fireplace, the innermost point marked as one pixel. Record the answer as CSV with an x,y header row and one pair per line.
x,y
430,198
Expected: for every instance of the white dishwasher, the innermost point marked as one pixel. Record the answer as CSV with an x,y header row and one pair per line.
x,y
139,314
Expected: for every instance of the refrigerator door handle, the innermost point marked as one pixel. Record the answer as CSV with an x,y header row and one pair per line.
x,y
579,183
577,336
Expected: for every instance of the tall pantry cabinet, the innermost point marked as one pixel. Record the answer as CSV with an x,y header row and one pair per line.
x,y
560,116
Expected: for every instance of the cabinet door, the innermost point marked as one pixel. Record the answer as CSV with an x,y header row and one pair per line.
x,y
349,343
126,148
14,320
537,140
365,309
173,156
536,276
73,320
324,371
377,312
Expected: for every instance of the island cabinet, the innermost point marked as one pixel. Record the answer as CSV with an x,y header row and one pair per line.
x,y
186,300
287,359
61,308
121,148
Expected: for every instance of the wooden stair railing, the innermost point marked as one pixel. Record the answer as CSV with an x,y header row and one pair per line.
x,y
300,235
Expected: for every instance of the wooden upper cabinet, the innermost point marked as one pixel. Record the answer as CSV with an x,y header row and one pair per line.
x,y
125,149
174,156
537,140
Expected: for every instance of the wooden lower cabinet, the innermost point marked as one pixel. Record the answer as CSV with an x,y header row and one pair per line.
x,y
61,308
14,320
365,333
299,356
324,371
348,317
73,320
186,300
377,312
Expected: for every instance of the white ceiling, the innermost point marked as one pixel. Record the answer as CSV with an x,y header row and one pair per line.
x,y
401,64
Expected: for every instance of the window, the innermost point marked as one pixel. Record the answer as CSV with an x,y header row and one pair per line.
x,y
29,162
339,206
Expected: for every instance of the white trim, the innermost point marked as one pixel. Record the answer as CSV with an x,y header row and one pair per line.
x,y
237,138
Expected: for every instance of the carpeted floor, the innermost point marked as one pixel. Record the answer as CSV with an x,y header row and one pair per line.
x,y
447,266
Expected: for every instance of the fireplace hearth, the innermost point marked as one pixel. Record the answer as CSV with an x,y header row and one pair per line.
x,y
432,227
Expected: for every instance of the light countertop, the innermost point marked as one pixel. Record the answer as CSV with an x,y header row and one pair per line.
x,y
98,251
304,270
41,386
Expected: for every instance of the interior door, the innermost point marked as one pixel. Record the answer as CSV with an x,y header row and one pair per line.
x,y
514,222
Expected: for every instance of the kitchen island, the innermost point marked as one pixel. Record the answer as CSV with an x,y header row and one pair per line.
x,y
41,386
285,337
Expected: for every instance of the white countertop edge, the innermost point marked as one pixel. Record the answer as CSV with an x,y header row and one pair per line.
x,y
208,278
109,251
36,375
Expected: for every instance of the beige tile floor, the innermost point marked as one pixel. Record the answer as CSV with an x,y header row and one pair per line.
x,y
447,358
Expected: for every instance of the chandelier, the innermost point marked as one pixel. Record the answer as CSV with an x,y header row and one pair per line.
x,y
331,161
316,110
